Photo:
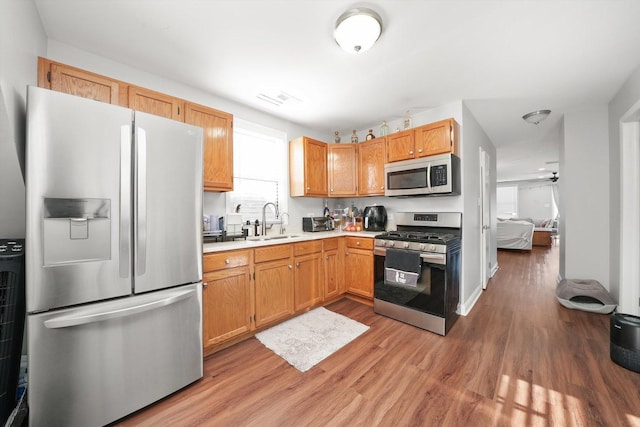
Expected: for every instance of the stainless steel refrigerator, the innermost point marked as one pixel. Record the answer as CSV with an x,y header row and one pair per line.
x,y
113,259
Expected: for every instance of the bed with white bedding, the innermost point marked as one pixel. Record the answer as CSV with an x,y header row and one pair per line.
x,y
515,234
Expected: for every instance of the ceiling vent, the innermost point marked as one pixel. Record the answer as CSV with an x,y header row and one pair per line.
x,y
279,98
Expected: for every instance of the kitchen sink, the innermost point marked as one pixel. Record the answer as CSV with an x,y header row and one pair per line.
x,y
274,237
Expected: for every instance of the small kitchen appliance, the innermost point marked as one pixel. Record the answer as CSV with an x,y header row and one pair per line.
x,y
375,218
317,223
417,270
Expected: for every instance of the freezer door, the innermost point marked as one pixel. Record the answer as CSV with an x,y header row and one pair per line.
x,y
92,365
78,181
167,203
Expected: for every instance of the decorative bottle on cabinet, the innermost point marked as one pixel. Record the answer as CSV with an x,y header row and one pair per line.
x,y
354,137
407,120
336,137
370,135
384,128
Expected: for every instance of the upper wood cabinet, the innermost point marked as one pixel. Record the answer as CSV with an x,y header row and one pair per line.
x,y
74,81
437,138
156,103
371,159
307,167
342,169
218,145
400,146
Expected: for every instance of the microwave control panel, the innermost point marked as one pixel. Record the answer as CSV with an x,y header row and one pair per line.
x,y
438,175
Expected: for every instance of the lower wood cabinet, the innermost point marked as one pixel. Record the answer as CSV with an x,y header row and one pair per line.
x,y
273,284
358,266
308,274
227,296
331,264
227,305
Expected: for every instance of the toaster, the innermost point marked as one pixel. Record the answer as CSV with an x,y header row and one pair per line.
x,y
317,223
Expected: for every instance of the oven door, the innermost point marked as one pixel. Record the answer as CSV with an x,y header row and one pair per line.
x,y
429,293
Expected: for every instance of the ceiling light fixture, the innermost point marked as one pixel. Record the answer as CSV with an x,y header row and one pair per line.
x,y
536,117
358,29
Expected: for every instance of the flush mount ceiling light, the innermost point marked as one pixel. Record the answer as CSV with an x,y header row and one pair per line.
x,y
536,117
358,29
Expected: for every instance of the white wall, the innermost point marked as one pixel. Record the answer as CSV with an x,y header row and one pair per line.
x,y
627,96
22,40
535,201
583,194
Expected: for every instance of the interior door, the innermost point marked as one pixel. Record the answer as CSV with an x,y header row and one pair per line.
x,y
485,214
167,203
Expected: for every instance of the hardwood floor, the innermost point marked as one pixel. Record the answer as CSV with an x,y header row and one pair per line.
x,y
519,358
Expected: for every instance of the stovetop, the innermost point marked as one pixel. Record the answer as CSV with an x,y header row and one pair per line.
x,y
417,236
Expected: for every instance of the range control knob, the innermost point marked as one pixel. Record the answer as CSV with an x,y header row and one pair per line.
x,y
405,245
432,248
421,246
391,243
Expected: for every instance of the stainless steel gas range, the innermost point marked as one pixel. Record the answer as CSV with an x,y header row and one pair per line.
x,y
417,270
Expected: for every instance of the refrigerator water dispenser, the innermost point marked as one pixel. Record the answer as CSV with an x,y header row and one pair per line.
x,y
76,230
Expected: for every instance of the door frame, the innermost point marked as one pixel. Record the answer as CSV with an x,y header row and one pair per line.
x,y
485,217
629,295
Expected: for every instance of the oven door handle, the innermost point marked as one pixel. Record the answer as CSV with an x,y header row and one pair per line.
x,y
434,257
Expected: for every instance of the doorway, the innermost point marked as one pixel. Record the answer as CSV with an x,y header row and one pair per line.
x,y
485,220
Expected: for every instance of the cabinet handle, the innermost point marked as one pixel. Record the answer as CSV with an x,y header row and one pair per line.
x,y
358,243
411,152
382,188
226,261
332,189
346,254
290,266
327,258
297,264
308,188
205,284
420,150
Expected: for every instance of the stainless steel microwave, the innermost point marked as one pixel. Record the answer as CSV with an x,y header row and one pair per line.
x,y
426,176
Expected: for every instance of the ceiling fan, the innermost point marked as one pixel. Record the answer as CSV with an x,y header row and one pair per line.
x,y
555,177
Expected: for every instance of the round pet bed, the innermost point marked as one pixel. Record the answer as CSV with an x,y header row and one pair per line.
x,y
586,295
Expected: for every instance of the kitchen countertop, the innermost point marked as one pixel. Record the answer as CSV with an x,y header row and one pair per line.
x,y
253,242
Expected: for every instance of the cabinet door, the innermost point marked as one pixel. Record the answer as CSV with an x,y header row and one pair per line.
x,y
400,146
342,170
359,272
331,278
273,291
308,281
82,83
218,145
315,167
371,158
156,103
226,305
434,138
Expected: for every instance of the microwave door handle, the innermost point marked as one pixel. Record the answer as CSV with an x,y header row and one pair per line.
x,y
429,177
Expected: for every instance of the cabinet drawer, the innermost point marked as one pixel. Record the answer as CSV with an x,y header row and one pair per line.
x,y
330,244
309,247
223,260
270,253
359,243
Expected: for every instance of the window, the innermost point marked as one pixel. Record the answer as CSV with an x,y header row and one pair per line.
x,y
259,171
507,201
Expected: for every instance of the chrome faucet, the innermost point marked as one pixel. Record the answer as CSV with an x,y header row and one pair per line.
x,y
264,216
282,230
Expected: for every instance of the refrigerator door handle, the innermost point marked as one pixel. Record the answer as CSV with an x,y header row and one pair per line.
x,y
141,208
125,200
95,315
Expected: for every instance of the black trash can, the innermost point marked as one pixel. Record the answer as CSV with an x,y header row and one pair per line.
x,y
12,316
625,340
